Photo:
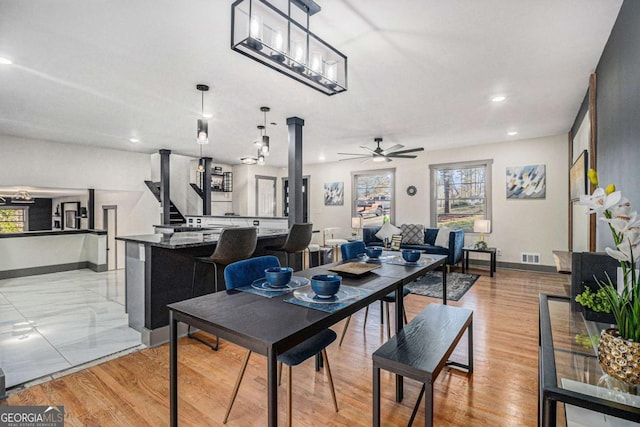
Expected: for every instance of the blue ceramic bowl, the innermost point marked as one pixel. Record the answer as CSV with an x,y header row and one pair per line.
x,y
373,251
278,276
325,285
411,255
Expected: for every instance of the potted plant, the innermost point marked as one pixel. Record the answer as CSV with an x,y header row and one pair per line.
x,y
619,348
595,305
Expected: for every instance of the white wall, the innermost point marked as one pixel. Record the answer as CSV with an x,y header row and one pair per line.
x,y
117,176
580,234
537,226
244,187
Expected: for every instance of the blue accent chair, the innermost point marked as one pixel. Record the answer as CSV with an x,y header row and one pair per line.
x,y
353,250
243,273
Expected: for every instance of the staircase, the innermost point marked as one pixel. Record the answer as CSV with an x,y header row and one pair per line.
x,y
175,216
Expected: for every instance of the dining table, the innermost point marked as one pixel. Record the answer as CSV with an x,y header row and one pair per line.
x,y
272,325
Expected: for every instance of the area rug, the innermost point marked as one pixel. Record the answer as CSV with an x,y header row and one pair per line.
x,y
430,285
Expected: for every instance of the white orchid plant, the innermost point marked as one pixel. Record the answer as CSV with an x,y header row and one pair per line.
x,y
624,224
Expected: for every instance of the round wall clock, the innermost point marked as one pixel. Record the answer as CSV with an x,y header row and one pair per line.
x,y
412,190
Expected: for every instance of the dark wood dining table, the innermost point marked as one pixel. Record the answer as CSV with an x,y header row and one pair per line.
x,y
271,326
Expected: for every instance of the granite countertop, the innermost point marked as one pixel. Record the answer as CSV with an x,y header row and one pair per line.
x,y
50,233
191,239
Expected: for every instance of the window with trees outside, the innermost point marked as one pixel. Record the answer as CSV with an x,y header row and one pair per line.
x,y
374,201
13,220
460,194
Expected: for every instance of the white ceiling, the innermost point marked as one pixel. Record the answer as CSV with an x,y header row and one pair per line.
x,y
421,73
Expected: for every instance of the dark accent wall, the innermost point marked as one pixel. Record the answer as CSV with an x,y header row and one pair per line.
x,y
39,213
618,111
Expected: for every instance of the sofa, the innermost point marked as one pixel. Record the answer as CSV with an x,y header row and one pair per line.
x,y
453,252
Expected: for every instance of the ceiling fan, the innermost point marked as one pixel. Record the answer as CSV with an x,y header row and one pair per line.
x,y
383,155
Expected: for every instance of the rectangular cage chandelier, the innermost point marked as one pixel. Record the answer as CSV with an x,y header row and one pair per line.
x,y
268,35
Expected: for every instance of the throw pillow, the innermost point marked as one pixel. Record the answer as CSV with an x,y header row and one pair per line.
x,y
387,231
442,239
412,234
396,239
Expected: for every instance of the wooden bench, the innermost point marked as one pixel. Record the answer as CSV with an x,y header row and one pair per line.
x,y
421,350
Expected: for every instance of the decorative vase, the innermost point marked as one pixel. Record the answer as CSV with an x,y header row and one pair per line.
x,y
618,357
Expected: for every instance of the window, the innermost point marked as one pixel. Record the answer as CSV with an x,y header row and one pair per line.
x,y
13,220
460,193
373,193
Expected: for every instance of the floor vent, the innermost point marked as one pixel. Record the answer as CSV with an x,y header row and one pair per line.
x,y
530,258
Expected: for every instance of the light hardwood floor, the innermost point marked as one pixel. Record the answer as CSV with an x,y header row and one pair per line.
x,y
134,390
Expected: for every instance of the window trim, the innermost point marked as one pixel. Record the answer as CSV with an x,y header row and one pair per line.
x,y
25,209
354,190
488,183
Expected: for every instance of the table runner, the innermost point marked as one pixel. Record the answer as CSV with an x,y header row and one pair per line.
x,y
300,281
332,307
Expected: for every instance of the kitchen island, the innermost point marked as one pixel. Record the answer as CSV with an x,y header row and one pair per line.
x,y
158,271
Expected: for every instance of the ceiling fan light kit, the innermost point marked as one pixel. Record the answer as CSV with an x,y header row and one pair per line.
x,y
264,33
379,154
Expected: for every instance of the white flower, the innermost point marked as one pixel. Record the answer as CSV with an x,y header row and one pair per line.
x,y
625,251
622,222
599,201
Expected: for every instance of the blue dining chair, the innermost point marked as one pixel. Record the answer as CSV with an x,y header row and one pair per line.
x,y
353,250
243,273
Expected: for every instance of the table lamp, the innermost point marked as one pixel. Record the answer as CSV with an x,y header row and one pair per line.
x,y
481,226
356,224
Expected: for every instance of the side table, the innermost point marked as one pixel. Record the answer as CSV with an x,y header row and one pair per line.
x,y
465,258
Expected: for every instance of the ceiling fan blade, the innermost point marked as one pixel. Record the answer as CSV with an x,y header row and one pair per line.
x,y
354,158
371,150
401,156
388,159
353,154
411,150
392,149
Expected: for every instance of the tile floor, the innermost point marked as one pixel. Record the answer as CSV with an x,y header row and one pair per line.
x,y
53,322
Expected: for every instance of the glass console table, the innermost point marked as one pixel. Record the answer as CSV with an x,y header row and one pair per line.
x,y
570,378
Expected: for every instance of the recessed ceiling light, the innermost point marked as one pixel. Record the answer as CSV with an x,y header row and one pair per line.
x,y
498,98
207,115
512,133
322,158
5,61
134,140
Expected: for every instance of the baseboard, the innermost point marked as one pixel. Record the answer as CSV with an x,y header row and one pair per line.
x,y
98,268
515,266
47,269
156,337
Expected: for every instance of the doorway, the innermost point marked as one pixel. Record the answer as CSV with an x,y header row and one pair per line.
x,y
265,196
110,223
305,198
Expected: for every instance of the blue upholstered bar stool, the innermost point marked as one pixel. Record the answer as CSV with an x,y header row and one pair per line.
x,y
234,244
353,250
243,273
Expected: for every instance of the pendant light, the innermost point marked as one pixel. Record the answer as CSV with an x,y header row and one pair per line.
x,y
258,142
268,32
203,125
265,137
260,158
200,162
